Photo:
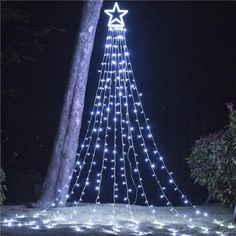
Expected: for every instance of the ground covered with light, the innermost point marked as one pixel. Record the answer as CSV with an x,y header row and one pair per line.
x,y
19,220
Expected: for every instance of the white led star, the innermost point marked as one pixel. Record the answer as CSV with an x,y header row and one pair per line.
x,y
116,21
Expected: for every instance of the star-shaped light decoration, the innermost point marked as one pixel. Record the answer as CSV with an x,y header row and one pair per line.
x,y
113,20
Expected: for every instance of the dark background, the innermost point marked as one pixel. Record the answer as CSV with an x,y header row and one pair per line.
x,y
183,55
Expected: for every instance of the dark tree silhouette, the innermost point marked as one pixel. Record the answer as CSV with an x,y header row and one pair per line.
x,y
26,40
66,140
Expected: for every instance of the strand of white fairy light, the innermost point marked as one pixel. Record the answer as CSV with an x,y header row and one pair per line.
x,y
156,151
91,136
145,149
105,150
115,185
152,165
122,71
131,145
90,139
121,130
146,152
131,176
97,99
136,169
96,146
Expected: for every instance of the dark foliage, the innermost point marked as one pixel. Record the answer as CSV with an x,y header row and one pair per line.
x,y
213,162
26,39
3,187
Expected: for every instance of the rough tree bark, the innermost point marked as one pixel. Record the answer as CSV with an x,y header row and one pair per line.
x,y
66,140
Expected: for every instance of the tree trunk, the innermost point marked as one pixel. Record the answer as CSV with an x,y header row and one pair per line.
x,y
66,141
235,213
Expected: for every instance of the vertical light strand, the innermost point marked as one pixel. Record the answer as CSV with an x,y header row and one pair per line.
x,y
131,145
156,151
131,174
102,88
120,65
145,148
96,146
115,186
97,97
122,72
76,184
105,150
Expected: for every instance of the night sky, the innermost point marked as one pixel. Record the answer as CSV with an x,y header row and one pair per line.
x,y
183,55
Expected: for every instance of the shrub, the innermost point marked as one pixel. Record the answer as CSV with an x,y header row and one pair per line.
x,y
2,186
213,162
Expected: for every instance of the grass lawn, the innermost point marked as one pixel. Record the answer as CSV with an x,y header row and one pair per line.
x,y
81,220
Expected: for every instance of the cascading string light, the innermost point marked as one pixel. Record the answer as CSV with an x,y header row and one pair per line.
x,y
123,100
131,175
113,169
127,199
96,146
131,144
97,113
144,144
162,188
95,121
156,151
97,98
148,127
105,150
93,156
122,72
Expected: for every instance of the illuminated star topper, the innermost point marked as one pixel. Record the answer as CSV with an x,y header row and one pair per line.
x,y
116,21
